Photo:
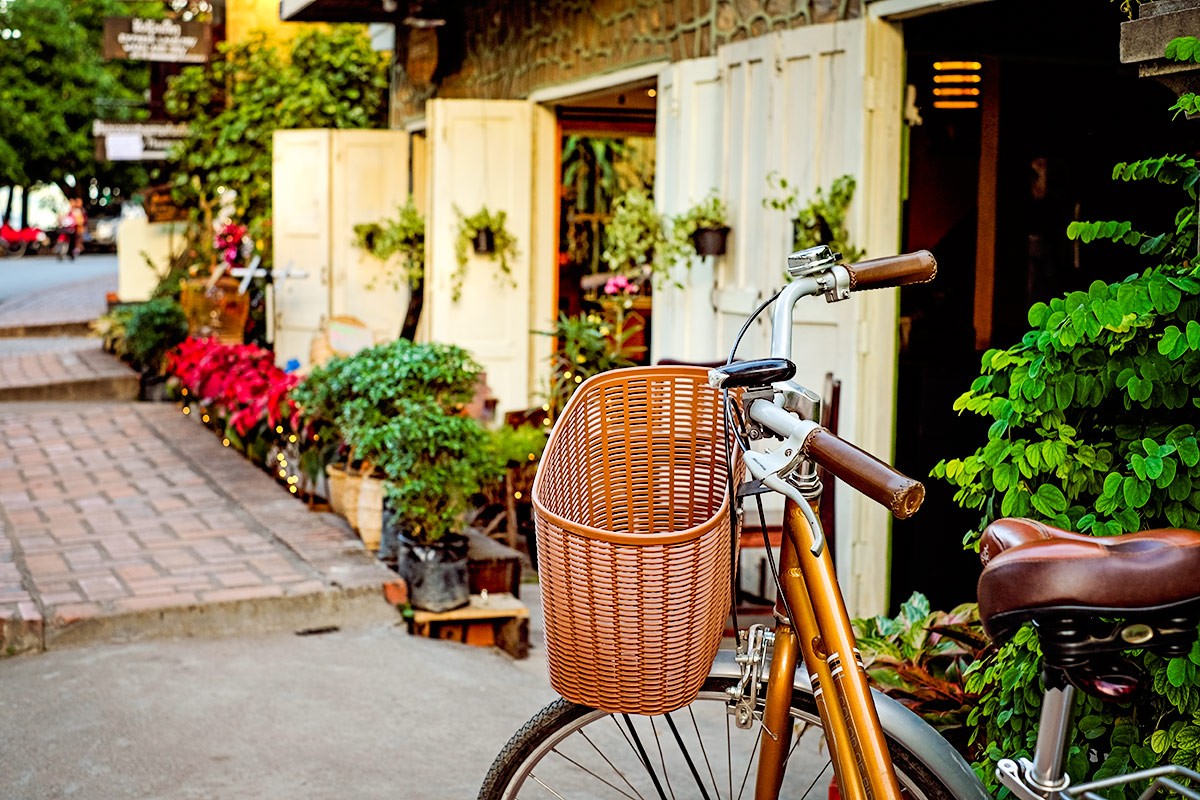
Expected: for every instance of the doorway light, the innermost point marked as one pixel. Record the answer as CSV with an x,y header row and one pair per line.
x,y
956,84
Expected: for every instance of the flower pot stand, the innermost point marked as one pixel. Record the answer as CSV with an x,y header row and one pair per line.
x,y
492,620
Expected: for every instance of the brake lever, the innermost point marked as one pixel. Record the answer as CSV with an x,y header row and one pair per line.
x,y
767,468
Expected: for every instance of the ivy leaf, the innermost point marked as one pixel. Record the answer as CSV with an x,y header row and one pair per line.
x,y
1049,500
1136,492
1179,671
1169,338
1189,452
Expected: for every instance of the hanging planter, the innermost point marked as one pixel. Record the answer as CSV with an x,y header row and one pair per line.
x,y
711,241
702,229
484,242
485,233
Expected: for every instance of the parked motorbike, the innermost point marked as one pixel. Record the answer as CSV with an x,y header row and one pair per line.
x,y
15,242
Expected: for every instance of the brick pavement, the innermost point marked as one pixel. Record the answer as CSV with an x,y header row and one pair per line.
x,y
63,368
129,520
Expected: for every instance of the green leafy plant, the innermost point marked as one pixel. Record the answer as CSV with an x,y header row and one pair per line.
x,y
504,247
399,409
820,221
112,329
329,78
398,242
636,244
520,446
154,328
709,213
919,657
1093,429
585,345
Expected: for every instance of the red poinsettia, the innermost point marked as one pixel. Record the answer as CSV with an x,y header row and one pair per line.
x,y
236,382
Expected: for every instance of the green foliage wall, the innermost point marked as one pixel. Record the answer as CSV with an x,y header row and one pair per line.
x,y
327,80
1094,429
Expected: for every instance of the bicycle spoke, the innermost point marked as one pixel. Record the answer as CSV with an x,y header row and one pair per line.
x,y
645,758
687,757
611,765
749,764
704,750
661,760
591,772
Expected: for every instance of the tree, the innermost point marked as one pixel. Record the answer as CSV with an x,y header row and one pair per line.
x,y
330,79
56,84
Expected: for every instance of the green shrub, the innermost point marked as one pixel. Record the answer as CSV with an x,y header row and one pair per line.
x,y
1093,430
153,329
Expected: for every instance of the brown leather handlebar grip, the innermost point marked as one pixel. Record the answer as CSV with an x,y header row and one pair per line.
x,y
879,481
901,270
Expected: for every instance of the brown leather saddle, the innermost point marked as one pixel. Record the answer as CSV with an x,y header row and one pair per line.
x,y
1091,597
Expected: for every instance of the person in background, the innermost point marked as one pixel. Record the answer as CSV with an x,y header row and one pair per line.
x,y
80,218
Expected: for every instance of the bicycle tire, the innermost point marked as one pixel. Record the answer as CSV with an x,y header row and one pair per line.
x,y
515,772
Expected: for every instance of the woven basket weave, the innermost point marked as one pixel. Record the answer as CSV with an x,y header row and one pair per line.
x,y
633,539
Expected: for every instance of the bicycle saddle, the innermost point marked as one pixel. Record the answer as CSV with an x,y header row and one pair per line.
x,y
1035,571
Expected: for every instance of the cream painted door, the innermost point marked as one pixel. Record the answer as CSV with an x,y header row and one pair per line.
x,y
687,166
481,153
369,182
301,237
812,104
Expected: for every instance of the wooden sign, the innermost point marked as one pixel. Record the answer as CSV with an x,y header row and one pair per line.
x,y
160,207
138,39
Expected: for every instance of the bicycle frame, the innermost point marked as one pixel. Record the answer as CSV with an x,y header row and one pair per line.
x,y
822,636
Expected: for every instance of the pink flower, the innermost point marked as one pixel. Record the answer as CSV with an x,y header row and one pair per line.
x,y
619,285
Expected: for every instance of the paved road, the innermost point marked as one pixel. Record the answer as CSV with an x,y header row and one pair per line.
x,y
369,713
38,273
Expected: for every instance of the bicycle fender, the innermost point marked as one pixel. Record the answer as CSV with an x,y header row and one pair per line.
x,y
902,725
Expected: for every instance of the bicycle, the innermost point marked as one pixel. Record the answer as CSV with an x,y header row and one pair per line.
x,y
738,731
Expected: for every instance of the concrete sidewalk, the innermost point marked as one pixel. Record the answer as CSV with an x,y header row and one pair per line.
x,y
129,520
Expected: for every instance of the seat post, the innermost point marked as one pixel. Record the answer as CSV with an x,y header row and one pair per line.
x,y
1046,773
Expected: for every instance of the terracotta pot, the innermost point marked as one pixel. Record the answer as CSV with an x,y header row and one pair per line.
x,y
218,311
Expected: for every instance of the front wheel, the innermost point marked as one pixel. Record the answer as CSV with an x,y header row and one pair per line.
x,y
572,751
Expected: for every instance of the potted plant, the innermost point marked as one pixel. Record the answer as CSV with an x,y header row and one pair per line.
x,y
399,408
485,233
635,241
822,220
398,243
152,330
702,229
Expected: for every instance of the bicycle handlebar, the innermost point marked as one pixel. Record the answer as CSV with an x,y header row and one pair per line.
x,y
899,270
895,491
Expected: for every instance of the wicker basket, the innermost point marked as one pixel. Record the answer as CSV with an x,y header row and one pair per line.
x,y
633,539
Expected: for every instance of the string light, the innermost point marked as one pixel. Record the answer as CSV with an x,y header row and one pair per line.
x,y
279,429
187,410
517,495
225,442
292,438
292,489
205,418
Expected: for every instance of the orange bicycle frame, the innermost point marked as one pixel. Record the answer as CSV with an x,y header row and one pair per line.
x,y
822,636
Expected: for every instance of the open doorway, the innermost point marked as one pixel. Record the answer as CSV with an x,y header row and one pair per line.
x,y
607,148
995,176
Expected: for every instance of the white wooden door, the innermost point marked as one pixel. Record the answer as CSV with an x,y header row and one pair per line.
x,y
687,167
369,182
301,239
481,153
804,104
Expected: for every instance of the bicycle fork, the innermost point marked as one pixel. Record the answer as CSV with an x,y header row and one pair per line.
x,y
822,636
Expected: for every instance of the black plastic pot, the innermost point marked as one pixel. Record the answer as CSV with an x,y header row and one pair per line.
x,y
710,241
484,242
436,572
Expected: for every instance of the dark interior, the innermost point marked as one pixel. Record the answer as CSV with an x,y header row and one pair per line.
x,y
1068,110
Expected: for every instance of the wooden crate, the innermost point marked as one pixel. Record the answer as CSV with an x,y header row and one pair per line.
x,y
498,620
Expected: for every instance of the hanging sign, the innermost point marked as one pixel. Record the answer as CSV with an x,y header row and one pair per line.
x,y
136,141
157,40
